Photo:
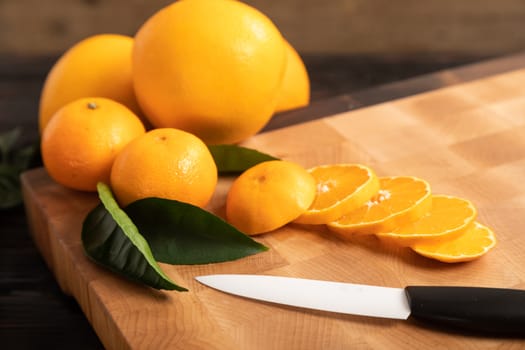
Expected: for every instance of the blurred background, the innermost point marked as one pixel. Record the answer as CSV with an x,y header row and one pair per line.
x,y
463,28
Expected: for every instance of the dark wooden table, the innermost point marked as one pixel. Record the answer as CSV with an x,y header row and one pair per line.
x,y
34,313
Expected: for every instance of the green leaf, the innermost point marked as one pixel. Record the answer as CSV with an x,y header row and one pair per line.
x,y
22,157
12,163
111,239
10,193
7,143
180,233
236,159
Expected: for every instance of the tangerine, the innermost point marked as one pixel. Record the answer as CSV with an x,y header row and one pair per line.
x,y
83,138
99,65
268,196
165,163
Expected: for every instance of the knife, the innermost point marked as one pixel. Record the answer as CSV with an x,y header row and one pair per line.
x,y
492,310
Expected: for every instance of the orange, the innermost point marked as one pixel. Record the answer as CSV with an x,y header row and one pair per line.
x,y
295,89
448,217
269,195
211,67
472,244
96,66
83,138
400,200
165,163
341,188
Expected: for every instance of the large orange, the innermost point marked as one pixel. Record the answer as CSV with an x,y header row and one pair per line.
x,y
295,89
96,66
165,163
210,67
83,138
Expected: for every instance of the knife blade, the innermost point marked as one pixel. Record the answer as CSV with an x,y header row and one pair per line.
x,y
493,310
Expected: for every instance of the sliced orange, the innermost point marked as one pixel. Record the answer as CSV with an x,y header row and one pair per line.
x,y
269,195
472,244
340,189
448,218
400,200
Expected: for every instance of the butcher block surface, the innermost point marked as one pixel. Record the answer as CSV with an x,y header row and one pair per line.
x,y
467,140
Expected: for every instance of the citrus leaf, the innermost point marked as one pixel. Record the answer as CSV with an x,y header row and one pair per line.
x,y
111,239
23,157
13,160
8,140
10,192
181,233
236,159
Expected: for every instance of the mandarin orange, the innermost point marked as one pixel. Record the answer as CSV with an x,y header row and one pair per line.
x,y
83,138
269,195
165,163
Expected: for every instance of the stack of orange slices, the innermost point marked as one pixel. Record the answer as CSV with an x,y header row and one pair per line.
x,y
351,199
404,211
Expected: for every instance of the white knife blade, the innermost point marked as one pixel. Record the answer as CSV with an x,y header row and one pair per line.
x,y
494,310
312,294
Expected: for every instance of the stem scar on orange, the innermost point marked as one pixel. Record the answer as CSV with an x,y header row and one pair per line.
x,y
83,138
165,163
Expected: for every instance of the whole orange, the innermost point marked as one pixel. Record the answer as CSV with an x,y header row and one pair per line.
x,y
82,139
96,66
165,163
210,67
295,89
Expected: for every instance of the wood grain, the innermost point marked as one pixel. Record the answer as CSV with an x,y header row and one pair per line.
x,y
466,140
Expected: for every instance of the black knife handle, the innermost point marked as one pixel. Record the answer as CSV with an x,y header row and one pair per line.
x,y
492,310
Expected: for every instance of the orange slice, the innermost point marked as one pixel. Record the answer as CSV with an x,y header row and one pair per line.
x,y
472,244
400,200
340,189
448,218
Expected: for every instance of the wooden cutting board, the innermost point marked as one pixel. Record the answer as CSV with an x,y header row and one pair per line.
x,y
467,140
